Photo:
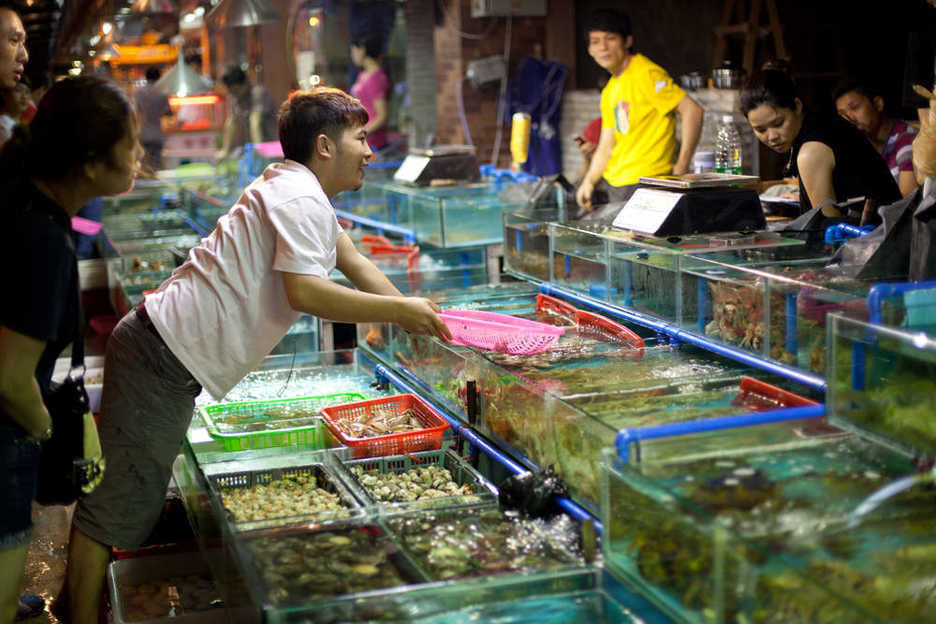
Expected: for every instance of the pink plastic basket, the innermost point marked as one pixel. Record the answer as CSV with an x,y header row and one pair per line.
x,y
500,332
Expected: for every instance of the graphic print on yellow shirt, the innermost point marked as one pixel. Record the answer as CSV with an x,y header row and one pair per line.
x,y
621,114
639,105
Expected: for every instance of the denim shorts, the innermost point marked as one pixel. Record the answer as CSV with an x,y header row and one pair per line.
x,y
19,469
146,407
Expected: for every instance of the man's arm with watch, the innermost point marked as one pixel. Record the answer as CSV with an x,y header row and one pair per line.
x,y
19,392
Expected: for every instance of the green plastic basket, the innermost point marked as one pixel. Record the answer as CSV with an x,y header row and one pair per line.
x,y
240,433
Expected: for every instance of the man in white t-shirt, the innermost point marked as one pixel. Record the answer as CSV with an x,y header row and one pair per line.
x,y
218,316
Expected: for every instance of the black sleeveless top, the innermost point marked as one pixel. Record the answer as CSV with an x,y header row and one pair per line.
x,y
860,171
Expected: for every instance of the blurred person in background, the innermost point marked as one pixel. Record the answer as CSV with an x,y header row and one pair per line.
x,y
251,114
862,105
371,86
13,103
152,105
39,86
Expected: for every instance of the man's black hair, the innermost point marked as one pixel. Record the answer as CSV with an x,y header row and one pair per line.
x,y
152,74
233,76
861,85
609,20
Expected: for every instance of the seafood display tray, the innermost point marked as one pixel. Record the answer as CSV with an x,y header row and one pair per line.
x,y
324,478
240,435
300,575
484,541
462,473
427,438
153,569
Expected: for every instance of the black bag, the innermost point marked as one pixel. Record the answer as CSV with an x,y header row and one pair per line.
x,y
71,463
923,240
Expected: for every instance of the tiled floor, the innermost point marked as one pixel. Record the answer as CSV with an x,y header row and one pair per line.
x,y
45,561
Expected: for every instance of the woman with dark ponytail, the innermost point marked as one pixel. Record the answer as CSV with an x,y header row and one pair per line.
x,y
832,159
82,143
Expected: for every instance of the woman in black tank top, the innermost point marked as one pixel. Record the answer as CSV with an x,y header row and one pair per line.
x,y
833,160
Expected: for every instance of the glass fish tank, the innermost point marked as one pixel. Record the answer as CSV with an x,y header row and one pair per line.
x,y
882,383
772,303
464,215
621,267
813,526
526,242
413,269
563,405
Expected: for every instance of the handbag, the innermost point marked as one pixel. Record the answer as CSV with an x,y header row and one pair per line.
x,y
71,463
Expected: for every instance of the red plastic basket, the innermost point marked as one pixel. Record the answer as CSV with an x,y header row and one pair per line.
x,y
590,324
427,439
550,305
760,395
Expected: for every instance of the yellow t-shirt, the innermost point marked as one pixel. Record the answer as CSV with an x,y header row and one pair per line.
x,y
639,105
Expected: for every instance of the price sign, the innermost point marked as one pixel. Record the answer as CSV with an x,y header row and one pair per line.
x,y
411,168
646,210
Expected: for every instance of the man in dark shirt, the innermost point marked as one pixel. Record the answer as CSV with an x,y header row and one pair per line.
x,y
152,105
251,113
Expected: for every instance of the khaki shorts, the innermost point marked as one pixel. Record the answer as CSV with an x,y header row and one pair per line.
x,y
146,408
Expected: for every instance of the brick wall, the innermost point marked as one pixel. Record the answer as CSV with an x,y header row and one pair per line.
x,y
420,56
459,39
579,107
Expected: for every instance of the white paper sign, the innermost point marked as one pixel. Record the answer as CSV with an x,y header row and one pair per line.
x,y
646,210
411,168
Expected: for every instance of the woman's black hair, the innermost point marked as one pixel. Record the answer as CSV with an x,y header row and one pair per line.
x,y
769,87
371,43
79,120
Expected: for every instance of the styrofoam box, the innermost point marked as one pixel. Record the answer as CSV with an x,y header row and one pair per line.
x,y
94,371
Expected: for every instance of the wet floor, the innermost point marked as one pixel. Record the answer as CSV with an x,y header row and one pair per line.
x,y
45,560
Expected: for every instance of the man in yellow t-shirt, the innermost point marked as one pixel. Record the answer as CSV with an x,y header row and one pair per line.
x,y
638,108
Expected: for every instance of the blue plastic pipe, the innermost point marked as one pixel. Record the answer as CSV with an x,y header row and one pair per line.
x,y
408,235
879,292
841,231
876,296
791,320
681,335
702,296
625,436
569,506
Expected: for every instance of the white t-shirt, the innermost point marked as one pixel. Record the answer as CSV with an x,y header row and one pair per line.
x,y
225,308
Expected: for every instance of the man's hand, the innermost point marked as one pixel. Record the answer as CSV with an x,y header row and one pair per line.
x,y
680,169
583,195
420,316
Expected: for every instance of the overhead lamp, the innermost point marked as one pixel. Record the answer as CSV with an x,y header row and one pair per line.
x,y
182,80
230,13
153,6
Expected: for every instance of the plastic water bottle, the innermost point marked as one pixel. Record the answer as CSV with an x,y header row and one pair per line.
x,y
727,147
